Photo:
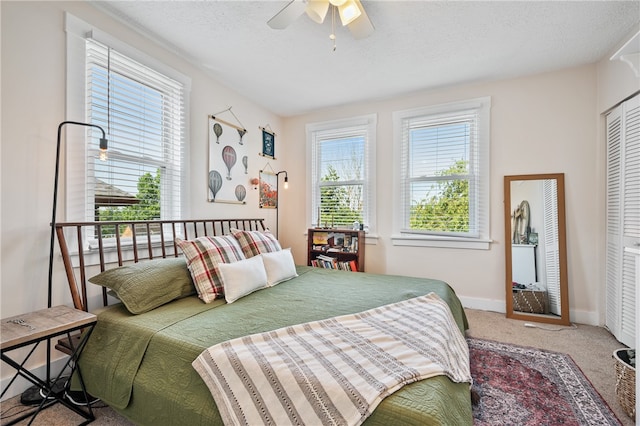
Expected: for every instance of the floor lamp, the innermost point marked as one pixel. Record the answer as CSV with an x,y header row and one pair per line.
x,y
103,156
286,186
32,395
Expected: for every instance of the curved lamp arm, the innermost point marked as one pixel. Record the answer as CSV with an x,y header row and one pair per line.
x,y
103,149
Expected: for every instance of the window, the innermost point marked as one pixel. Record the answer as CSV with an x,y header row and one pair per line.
x,y
442,155
342,172
141,105
142,112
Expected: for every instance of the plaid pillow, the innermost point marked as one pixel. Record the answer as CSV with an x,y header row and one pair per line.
x,y
203,256
256,242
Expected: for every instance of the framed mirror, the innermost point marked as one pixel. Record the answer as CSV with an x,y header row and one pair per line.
x,y
535,248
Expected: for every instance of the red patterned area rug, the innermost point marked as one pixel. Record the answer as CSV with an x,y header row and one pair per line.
x,y
526,386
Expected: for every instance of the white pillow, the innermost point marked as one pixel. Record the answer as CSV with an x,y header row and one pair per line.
x,y
279,266
242,277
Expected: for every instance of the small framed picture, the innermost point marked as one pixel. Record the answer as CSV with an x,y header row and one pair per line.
x,y
268,144
533,238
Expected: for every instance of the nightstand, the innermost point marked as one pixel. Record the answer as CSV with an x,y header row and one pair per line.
x,y
35,327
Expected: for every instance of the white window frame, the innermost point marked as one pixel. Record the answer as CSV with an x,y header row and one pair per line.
x,y
402,236
77,195
366,124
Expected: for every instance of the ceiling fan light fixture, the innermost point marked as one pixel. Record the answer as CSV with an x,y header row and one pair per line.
x,y
349,12
317,10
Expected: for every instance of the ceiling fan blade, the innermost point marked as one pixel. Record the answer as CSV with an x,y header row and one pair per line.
x,y
361,27
288,14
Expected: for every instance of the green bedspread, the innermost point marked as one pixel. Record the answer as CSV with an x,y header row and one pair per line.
x,y
141,364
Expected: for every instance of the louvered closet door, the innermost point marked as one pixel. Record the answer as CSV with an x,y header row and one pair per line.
x,y
623,218
614,232
630,217
552,244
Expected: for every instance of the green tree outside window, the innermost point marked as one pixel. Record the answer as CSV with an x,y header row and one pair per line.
x,y
147,208
447,208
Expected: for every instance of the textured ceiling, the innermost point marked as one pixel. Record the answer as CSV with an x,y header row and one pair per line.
x,y
416,45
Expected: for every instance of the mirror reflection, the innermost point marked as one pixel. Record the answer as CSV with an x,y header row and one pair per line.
x,y
536,269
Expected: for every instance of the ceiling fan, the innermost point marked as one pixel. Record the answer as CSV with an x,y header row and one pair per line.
x,y
352,15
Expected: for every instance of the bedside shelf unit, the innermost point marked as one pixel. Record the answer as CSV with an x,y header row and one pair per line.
x,y
345,247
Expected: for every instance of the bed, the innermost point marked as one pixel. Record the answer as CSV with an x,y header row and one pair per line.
x,y
141,363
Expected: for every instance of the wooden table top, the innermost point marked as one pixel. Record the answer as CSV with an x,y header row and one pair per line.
x,y
34,326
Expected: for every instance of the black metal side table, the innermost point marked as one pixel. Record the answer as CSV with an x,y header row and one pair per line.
x,y
35,327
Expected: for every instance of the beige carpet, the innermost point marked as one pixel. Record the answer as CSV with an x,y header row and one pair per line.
x,y
590,347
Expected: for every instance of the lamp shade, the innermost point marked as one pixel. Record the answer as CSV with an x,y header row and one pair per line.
x,y
349,12
317,10
103,149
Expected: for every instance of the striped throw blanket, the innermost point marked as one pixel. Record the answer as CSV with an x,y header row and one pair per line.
x,y
335,371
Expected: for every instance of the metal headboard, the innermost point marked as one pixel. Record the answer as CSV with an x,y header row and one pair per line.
x,y
144,240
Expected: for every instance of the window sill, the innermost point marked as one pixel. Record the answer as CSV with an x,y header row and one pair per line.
x,y
441,242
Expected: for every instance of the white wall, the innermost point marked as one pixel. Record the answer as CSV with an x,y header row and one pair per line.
x,y
616,80
539,124
33,104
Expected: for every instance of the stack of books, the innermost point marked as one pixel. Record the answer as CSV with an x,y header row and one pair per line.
x,y
328,262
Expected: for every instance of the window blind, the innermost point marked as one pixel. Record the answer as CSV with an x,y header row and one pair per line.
x,y
342,191
142,112
441,174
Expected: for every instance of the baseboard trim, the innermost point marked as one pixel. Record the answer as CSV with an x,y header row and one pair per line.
x,y
484,304
585,317
500,306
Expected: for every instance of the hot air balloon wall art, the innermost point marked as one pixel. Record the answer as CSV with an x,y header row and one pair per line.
x,y
228,162
215,183
229,158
